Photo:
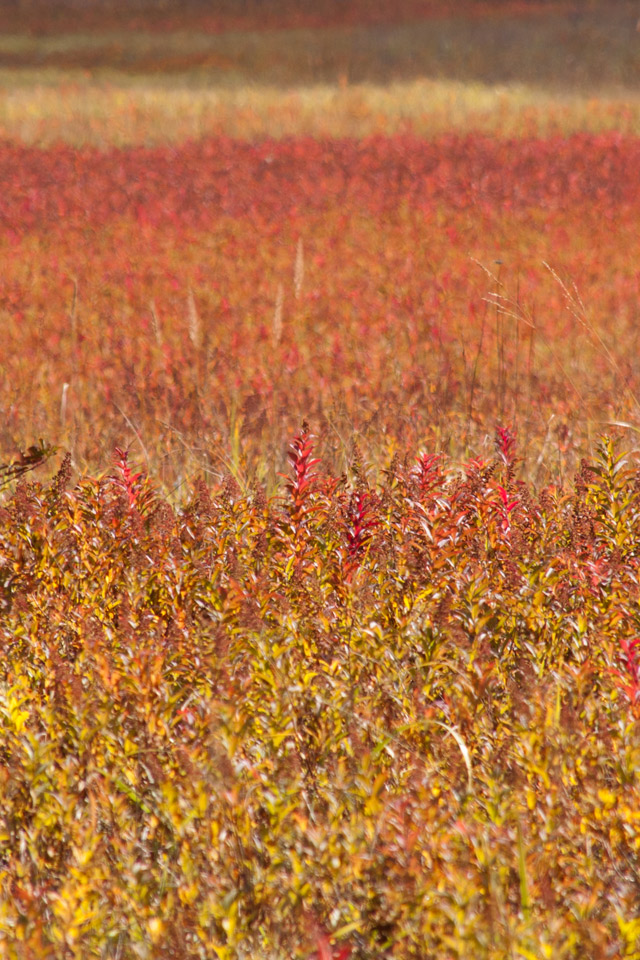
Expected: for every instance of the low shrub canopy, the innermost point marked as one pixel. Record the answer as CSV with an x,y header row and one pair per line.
x,y
388,718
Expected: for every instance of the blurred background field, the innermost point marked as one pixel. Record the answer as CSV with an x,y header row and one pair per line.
x,y
502,68
421,280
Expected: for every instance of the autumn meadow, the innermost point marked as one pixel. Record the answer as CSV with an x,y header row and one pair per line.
x,y
319,480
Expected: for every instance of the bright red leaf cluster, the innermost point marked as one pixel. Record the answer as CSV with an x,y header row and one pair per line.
x,y
191,186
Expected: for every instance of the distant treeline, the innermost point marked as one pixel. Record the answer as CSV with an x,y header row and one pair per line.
x,y
52,15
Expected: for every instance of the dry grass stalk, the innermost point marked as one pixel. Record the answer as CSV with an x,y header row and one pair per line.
x,y
277,315
63,404
194,320
298,273
155,320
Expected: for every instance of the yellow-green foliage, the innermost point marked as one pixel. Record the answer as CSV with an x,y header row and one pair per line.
x,y
397,719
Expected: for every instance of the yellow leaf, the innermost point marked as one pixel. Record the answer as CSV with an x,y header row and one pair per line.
x,y
189,893
229,922
373,803
156,929
348,928
607,798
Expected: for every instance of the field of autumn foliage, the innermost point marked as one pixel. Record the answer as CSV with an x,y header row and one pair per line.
x,y
201,300
319,498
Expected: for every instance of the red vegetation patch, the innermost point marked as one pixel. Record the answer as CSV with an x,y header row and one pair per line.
x,y
208,296
191,186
